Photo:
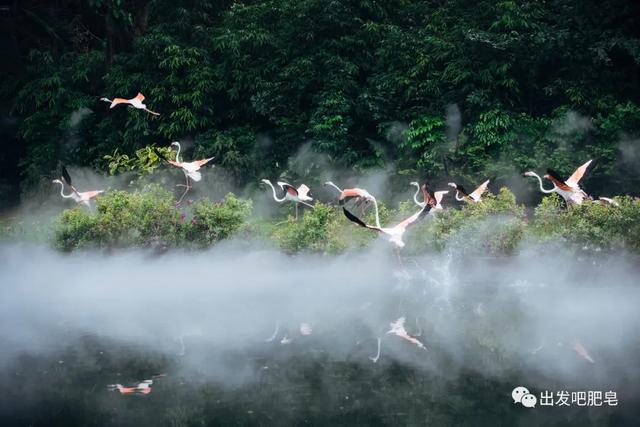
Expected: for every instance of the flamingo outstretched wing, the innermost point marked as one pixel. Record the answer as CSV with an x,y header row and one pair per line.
x,y
139,97
439,194
578,174
414,218
303,190
475,195
117,101
91,194
202,162
351,217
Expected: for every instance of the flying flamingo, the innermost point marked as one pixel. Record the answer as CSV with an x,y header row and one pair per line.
x,y
190,169
141,389
297,195
396,232
362,198
569,189
79,197
438,195
134,102
474,197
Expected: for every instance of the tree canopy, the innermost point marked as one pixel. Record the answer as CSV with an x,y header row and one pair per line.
x,y
470,89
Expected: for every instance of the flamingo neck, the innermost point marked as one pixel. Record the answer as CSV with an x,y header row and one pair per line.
x,y
275,197
415,196
458,198
178,153
375,207
334,186
66,196
541,187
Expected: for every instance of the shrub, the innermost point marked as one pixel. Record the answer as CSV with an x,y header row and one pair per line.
x,y
495,226
148,218
214,221
317,231
591,226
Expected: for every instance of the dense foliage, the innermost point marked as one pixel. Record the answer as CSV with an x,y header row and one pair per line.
x,y
465,89
498,226
148,218
591,226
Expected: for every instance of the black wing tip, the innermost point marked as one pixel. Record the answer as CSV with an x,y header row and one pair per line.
x,y
351,217
554,174
65,175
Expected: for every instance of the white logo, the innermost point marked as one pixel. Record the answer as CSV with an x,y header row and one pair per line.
x,y
521,395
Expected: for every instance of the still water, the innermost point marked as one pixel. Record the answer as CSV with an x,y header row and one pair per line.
x,y
258,338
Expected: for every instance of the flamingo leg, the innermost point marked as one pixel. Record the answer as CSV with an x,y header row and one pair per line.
x,y
187,187
297,204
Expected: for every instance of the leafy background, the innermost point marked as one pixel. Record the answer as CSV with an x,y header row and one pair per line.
x,y
464,89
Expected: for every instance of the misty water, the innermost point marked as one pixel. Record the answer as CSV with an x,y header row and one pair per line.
x,y
214,322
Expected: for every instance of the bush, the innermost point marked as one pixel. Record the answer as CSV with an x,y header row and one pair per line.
x,y
216,221
148,218
493,227
316,231
591,226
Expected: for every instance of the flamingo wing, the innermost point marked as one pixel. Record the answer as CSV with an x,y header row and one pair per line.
x,y
475,195
461,190
582,352
429,198
139,97
117,101
414,218
557,180
202,162
439,195
578,174
352,193
65,176
303,190
289,188
90,194
351,217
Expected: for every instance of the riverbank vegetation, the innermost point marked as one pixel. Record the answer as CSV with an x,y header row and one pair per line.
x,y
149,218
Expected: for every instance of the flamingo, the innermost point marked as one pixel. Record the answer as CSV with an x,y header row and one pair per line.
x,y
190,169
134,102
438,195
582,352
141,389
79,197
304,329
474,197
396,232
297,195
569,189
362,198
397,328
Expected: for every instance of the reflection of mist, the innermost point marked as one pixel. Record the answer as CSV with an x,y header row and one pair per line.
x,y
487,315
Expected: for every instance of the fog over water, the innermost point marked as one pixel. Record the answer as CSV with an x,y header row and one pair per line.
x,y
207,317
